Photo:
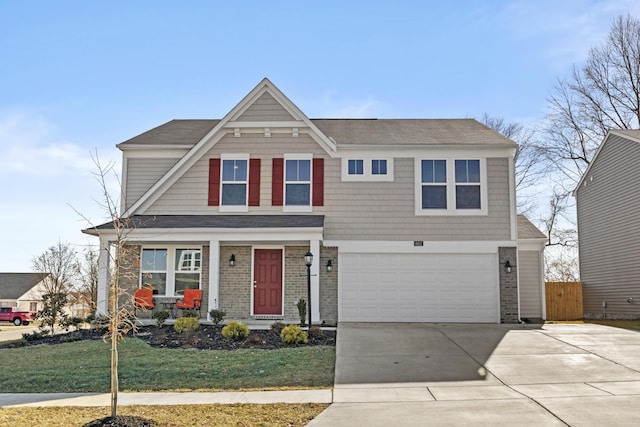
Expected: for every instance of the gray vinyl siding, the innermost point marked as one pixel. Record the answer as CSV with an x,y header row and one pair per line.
x,y
608,211
353,210
142,173
530,284
265,108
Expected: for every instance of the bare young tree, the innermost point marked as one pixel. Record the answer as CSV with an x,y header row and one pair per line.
x,y
59,268
121,315
88,283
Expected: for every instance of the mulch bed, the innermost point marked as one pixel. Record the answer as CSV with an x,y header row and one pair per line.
x,y
207,337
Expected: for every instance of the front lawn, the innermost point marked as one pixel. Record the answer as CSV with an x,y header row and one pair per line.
x,y
625,324
293,415
84,366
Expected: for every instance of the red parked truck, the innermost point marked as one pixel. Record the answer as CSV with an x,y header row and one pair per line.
x,y
15,316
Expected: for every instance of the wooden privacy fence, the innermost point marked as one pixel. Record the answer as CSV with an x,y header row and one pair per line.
x,y
564,300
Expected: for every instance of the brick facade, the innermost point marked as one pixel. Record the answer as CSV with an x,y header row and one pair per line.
x,y
235,282
329,285
508,285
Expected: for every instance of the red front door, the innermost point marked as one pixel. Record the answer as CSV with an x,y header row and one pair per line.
x,y
267,285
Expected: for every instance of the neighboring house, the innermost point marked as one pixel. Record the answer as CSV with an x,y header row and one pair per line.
x,y
408,220
22,290
608,210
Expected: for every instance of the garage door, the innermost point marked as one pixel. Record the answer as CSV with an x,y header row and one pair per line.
x,y
418,288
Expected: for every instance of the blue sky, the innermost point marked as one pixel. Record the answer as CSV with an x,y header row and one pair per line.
x,y
77,77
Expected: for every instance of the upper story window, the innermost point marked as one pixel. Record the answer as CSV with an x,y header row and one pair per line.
x,y
297,186
468,184
434,184
170,270
356,167
367,169
234,182
451,187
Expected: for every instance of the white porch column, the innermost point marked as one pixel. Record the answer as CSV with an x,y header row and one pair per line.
x,y
315,282
214,275
102,304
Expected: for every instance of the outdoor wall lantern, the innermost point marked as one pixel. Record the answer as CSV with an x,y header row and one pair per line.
x,y
232,260
308,260
507,266
329,266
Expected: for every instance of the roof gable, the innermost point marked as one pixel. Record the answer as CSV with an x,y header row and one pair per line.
x,y
15,285
628,134
254,106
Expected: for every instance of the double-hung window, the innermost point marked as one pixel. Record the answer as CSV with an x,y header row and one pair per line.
x,y
379,167
434,184
153,270
468,184
170,270
297,186
451,187
356,167
234,182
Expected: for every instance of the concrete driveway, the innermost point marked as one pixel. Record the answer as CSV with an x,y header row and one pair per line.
x,y
454,374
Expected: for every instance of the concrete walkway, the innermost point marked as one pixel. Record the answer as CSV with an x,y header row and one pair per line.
x,y
468,375
104,399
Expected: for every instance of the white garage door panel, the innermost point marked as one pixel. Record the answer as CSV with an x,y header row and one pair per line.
x,y
418,288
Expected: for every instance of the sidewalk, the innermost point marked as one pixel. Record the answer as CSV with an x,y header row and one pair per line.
x,y
124,398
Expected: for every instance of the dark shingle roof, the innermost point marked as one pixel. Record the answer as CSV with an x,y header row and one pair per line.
x,y
175,132
218,221
347,132
526,229
14,285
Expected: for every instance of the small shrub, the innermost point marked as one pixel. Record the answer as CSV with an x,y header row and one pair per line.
x,y
292,334
100,323
315,332
71,337
302,311
255,339
190,312
276,327
235,330
186,324
217,316
161,316
34,336
72,321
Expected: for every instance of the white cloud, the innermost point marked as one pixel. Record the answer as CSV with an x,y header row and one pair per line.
x,y
43,176
565,30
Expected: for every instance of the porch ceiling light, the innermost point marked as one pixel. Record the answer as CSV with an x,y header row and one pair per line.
x,y
329,265
232,260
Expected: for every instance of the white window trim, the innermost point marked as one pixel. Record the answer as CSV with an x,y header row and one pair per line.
x,y
234,208
171,266
297,156
451,188
367,176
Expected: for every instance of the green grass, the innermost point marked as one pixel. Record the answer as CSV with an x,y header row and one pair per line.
x,y
84,366
625,324
294,415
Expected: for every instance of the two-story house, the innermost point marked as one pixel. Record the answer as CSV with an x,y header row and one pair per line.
x,y
408,220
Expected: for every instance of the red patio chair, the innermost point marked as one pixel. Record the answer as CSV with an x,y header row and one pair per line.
x,y
191,301
143,298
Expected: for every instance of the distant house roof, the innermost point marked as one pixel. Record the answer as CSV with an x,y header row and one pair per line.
x,y
526,229
217,221
347,132
14,285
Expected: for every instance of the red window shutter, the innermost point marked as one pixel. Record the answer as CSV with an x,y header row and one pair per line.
x,y
214,182
277,181
254,182
318,182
